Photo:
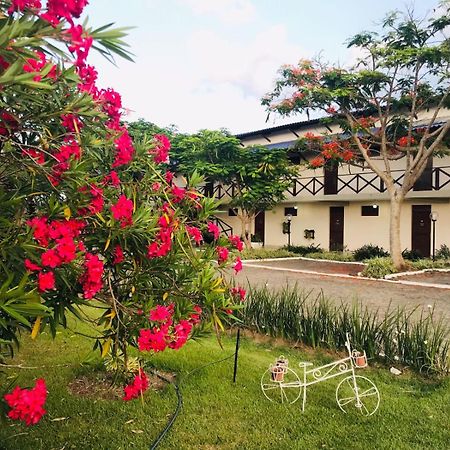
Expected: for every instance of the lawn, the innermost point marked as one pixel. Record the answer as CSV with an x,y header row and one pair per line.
x,y
217,414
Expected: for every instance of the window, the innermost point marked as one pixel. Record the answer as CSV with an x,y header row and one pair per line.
x,y
370,210
292,210
232,212
425,181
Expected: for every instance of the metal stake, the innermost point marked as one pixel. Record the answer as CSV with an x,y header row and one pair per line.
x,y
236,352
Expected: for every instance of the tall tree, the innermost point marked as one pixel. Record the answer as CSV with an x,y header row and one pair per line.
x,y
260,176
404,69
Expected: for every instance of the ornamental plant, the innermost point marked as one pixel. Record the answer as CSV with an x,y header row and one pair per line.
x,y
404,69
90,217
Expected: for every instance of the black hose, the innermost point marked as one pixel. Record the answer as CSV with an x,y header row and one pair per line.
x,y
174,416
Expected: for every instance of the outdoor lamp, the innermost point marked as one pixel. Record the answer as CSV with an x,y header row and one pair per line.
x,y
434,216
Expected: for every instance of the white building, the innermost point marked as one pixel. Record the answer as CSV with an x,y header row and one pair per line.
x,y
348,207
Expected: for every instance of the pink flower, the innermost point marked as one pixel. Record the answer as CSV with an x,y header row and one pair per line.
x,y
92,277
51,259
118,255
123,211
236,242
125,149
182,331
27,404
160,313
214,229
240,292
195,233
222,253
149,340
137,387
46,281
237,265
195,317
21,5
161,150
29,265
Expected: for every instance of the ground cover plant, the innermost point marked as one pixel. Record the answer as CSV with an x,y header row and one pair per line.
x,y
413,412
412,338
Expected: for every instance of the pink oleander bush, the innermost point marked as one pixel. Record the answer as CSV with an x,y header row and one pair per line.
x,y
90,217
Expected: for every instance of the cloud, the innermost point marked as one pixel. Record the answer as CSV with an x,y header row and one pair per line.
x,y
208,80
228,11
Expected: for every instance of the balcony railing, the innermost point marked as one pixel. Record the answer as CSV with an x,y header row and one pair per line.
x,y
367,182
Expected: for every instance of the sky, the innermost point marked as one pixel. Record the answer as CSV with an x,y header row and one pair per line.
x,y
206,63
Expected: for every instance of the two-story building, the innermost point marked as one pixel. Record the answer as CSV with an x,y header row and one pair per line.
x,y
348,207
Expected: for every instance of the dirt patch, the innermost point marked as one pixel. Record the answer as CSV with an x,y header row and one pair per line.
x,y
101,385
434,277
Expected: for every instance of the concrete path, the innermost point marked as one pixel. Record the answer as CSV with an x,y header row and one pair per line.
x,y
376,294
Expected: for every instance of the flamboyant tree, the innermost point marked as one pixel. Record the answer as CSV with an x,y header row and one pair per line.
x,y
260,176
88,215
404,69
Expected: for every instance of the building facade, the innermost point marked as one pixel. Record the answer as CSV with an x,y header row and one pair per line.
x,y
348,207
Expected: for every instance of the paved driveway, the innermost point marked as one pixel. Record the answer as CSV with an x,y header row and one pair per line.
x,y
376,294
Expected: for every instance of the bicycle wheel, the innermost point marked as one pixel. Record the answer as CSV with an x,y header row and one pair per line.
x,y
358,392
286,391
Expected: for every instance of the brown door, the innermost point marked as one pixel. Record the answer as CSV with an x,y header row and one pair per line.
x,y
260,225
336,228
421,229
330,174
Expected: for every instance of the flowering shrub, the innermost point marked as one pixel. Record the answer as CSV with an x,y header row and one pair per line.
x,y
88,213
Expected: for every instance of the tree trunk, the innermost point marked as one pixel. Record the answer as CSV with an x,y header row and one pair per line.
x,y
394,231
246,220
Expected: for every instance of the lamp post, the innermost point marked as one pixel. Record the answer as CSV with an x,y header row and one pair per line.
x,y
434,216
289,219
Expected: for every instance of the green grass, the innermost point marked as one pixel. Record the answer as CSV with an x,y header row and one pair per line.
x,y
217,414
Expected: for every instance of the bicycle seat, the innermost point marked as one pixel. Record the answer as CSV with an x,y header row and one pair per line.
x,y
305,364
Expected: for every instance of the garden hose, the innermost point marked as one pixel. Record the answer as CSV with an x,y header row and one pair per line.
x,y
174,416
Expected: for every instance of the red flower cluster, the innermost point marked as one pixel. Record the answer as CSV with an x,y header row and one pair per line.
x,y
222,253
123,211
318,161
35,65
125,149
67,9
36,155
27,404
161,151
177,193
137,387
237,265
238,292
163,243
165,333
70,149
214,229
195,233
21,5
118,255
92,277
62,235
405,141
8,123
236,242
97,202
80,44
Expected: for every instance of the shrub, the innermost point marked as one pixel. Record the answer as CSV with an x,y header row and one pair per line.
x,y
314,320
378,268
411,255
262,253
304,250
369,251
443,252
430,264
332,256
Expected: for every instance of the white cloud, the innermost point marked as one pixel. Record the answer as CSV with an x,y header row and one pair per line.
x,y
211,82
229,11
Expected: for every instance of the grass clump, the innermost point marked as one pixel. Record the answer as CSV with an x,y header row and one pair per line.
x,y
420,342
333,256
262,253
369,251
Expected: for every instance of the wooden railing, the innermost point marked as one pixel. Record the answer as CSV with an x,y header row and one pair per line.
x,y
346,183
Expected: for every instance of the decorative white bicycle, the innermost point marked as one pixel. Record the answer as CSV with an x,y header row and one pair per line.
x,y
282,384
